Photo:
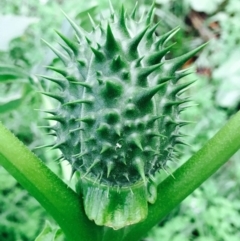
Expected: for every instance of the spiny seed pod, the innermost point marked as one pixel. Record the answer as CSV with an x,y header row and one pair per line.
x,y
118,118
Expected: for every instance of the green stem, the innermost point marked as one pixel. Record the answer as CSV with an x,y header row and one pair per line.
x,y
51,192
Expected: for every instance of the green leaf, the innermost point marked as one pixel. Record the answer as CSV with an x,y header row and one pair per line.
x,y
13,101
46,234
9,73
50,234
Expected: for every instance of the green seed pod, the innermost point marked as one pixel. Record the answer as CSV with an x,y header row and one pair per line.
x,y
118,116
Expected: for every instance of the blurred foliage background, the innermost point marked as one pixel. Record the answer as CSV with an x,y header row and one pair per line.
x,y
211,213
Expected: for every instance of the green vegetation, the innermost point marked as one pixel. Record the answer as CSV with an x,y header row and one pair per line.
x,y
209,213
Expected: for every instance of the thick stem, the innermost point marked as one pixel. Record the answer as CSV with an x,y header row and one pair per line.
x,y
51,192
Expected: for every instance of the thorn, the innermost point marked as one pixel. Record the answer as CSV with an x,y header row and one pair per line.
x,y
139,165
124,161
179,142
98,54
182,108
88,40
131,191
99,73
71,78
138,62
56,97
95,162
157,153
165,79
59,159
46,127
181,87
91,139
158,135
149,149
118,130
52,112
133,45
60,71
110,166
117,63
111,8
43,146
136,140
184,135
175,103
79,31
61,56
183,123
94,26
60,82
167,36
179,61
144,72
100,81
106,147
152,30
103,129
76,129
80,154
80,101
112,89
73,46
126,176
167,172
82,62
96,179
72,173
157,56
150,14
122,21
143,98
55,118
67,49
111,43
182,73
51,134
84,84
133,14
88,120
100,177
57,145
154,118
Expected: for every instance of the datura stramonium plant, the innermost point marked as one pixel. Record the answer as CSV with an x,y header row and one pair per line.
x,y
117,121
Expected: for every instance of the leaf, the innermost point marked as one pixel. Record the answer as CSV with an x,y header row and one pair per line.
x,y
10,105
46,234
11,72
12,26
50,234
14,100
